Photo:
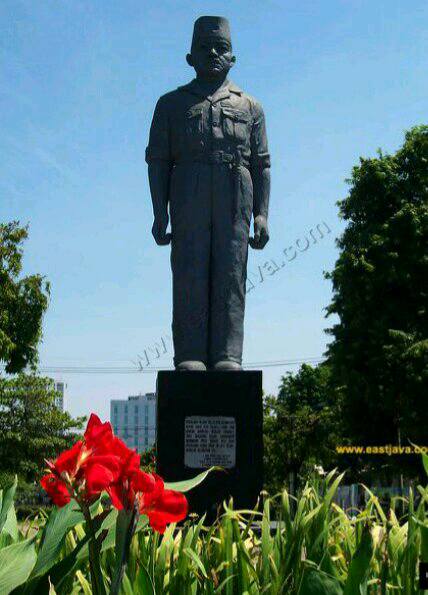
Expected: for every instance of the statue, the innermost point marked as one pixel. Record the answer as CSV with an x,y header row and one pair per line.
x,y
208,160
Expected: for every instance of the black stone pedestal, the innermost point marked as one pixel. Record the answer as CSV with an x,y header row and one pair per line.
x,y
211,418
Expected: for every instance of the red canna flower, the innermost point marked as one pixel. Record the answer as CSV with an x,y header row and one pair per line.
x,y
163,506
67,460
102,461
130,479
99,473
98,433
56,489
160,505
86,469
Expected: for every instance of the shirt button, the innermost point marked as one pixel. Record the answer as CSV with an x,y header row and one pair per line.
x,y
215,123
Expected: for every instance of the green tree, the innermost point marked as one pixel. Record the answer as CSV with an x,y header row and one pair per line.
x,y
379,353
22,302
32,428
301,427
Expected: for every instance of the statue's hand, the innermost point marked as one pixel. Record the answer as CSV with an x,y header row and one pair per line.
x,y
159,231
261,233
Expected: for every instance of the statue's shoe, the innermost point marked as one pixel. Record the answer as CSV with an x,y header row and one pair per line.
x,y
192,366
227,365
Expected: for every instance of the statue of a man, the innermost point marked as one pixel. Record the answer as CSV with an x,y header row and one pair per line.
x,y
208,160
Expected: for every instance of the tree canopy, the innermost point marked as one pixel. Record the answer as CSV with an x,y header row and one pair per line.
x,y
379,353
32,428
301,426
22,302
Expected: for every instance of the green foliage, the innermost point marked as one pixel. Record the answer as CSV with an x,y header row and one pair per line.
x,y
32,428
188,484
148,460
16,562
379,353
301,426
22,302
308,388
318,550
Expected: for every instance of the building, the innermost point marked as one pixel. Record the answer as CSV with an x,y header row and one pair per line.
x,y
134,420
60,387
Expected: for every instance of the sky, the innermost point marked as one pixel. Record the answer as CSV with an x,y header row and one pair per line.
x,y
79,80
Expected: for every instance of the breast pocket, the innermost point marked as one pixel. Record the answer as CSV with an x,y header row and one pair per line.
x,y
235,124
194,122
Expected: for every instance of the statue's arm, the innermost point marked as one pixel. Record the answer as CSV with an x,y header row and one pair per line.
x,y
159,173
158,157
260,175
261,191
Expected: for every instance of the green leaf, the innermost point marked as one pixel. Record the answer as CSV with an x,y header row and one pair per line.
x,y
79,555
228,539
16,564
108,524
162,556
143,583
225,583
266,544
424,541
194,556
126,588
425,462
317,582
59,523
68,565
125,527
188,484
7,502
84,583
11,526
360,565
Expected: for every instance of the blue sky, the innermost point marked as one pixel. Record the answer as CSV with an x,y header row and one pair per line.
x,y
78,84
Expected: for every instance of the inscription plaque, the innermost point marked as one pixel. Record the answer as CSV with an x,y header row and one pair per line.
x,y
209,441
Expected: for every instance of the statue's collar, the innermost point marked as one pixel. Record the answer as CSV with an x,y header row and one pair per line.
x,y
224,91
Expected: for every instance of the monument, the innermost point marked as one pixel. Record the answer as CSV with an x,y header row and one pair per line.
x,y
209,174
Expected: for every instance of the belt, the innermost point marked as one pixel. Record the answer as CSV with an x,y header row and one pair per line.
x,y
215,157
234,159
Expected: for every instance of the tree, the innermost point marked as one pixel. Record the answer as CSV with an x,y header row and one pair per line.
x,y
22,302
32,428
301,426
379,353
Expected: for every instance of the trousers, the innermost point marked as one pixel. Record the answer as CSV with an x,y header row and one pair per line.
x,y
210,223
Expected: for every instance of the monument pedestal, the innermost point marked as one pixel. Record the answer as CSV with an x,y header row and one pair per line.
x,y
211,418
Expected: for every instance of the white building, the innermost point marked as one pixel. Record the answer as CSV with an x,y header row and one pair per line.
x,y
60,387
134,421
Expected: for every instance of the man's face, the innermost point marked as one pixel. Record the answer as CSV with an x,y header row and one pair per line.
x,y
211,57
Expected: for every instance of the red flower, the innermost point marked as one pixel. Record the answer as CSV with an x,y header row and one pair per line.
x,y
56,489
99,473
86,469
101,461
163,506
130,479
67,460
98,434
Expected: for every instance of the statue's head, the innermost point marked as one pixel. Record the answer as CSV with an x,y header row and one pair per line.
x,y
211,52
